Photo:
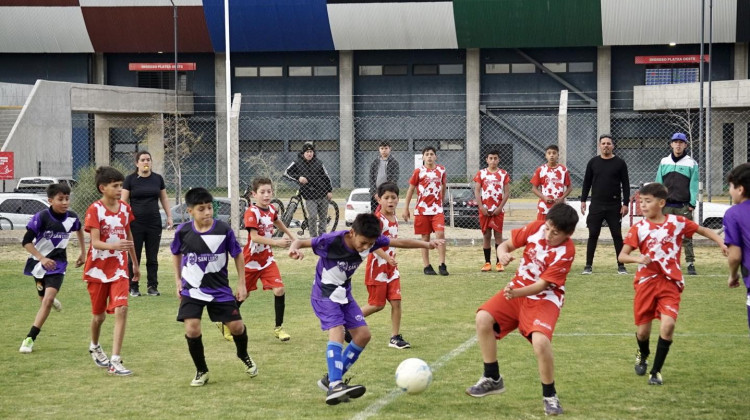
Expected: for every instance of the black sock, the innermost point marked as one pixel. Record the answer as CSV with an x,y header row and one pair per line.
x,y
195,346
643,347
240,341
491,370
548,390
279,305
33,332
662,348
487,254
497,257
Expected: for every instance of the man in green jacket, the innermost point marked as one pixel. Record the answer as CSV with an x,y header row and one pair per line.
x,y
679,173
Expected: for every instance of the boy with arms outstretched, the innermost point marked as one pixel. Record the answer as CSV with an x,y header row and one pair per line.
x,y
340,253
491,194
737,229
46,238
382,277
106,271
658,282
531,302
199,252
551,182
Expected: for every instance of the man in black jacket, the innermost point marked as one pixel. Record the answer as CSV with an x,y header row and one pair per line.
x,y
607,177
384,168
315,187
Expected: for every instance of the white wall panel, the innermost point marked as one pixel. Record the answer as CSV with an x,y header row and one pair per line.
x,y
43,30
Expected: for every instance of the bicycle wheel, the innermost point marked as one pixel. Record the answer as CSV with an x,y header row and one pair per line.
x,y
332,219
288,215
5,224
279,206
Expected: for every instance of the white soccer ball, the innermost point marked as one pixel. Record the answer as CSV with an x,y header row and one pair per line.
x,y
413,376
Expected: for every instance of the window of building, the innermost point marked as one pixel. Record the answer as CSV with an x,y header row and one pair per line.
x,y
451,69
320,145
581,67
271,71
300,71
556,67
370,70
395,70
456,144
440,145
325,71
261,146
425,69
245,72
496,68
161,80
374,145
522,68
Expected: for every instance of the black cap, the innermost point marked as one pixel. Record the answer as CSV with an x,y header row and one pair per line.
x,y
308,146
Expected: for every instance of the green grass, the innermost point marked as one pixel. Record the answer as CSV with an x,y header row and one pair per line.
x,y
706,374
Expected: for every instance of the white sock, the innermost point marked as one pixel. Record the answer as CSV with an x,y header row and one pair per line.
x,y
92,346
115,358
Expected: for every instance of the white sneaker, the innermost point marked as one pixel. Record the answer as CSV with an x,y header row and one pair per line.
x,y
201,378
99,356
27,345
116,368
57,305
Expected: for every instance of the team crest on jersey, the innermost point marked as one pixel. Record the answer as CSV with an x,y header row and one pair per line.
x,y
192,258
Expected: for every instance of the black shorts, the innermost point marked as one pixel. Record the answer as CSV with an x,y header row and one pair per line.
x,y
217,311
53,280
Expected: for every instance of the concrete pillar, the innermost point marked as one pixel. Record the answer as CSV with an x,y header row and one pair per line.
x,y
473,89
101,139
155,142
714,163
234,153
603,90
100,69
740,60
346,118
220,112
740,143
562,128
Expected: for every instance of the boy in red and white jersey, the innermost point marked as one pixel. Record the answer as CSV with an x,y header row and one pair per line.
x,y
106,270
551,182
491,194
429,180
382,277
658,282
531,302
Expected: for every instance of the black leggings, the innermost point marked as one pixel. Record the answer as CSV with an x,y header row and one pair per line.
x,y
597,214
150,235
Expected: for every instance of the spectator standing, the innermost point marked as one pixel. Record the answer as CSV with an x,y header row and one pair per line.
x,y
383,169
144,190
679,173
607,178
315,187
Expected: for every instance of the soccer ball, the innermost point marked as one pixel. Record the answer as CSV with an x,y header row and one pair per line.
x,y
413,376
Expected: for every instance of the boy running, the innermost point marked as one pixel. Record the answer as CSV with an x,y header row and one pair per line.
x,y
340,254
199,253
737,229
531,302
46,238
491,194
382,277
551,182
429,180
106,271
658,282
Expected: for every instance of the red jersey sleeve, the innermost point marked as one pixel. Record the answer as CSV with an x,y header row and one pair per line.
x,y
414,180
251,222
566,182
478,177
506,181
690,228
535,179
444,178
91,221
631,238
557,271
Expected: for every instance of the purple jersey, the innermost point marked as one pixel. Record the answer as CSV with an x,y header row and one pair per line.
x,y
336,265
204,260
51,237
737,233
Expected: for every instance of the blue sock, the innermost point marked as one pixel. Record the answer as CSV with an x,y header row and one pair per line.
x,y
351,354
333,358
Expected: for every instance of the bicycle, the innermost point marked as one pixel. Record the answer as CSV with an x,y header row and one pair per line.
x,y
6,224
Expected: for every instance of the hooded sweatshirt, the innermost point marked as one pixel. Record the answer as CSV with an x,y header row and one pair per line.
x,y
318,181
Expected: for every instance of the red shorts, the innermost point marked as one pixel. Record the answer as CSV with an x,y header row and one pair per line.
x,y
655,297
425,225
528,315
116,292
491,222
269,276
383,291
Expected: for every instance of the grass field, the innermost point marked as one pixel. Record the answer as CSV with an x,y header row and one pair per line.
x,y
706,374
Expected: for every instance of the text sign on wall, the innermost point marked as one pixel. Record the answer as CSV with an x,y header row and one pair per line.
x,y
670,59
161,66
6,165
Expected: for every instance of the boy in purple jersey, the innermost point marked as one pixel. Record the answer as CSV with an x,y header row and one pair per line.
x,y
737,229
46,238
199,250
340,254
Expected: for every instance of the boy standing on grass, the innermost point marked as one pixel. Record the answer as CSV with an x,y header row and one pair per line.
x,y
340,253
658,281
199,253
429,180
531,302
46,238
551,182
737,229
491,194
382,277
106,271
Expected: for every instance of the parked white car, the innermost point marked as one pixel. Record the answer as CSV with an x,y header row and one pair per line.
x,y
358,202
713,214
38,184
18,208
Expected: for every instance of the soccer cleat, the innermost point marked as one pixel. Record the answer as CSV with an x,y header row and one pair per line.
x,y
641,363
57,305
486,268
587,270
443,269
27,345
691,270
429,271
499,267
486,386
655,379
552,406
343,391
250,367
281,334
134,293
224,330
347,335
398,342
324,383
116,368
621,269
201,378
152,291
100,358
